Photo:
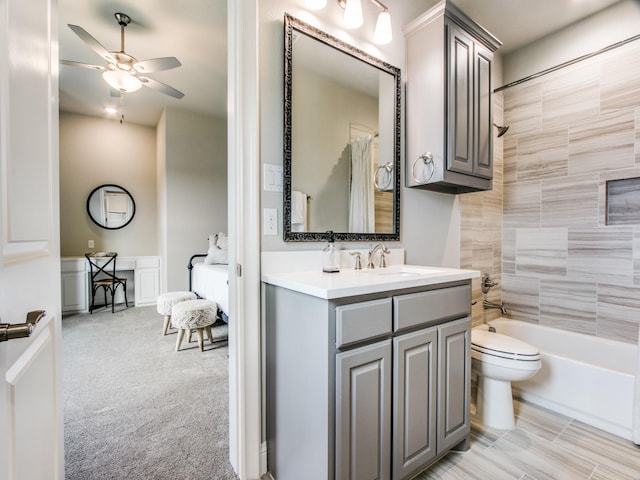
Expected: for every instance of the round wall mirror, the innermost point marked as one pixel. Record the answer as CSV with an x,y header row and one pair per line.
x,y
111,206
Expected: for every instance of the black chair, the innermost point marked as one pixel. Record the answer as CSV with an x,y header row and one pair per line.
x,y
103,276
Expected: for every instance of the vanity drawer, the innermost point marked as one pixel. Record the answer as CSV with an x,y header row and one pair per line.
x,y
420,308
362,321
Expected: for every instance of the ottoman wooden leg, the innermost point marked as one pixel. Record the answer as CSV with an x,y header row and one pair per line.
x,y
208,329
199,333
167,322
180,337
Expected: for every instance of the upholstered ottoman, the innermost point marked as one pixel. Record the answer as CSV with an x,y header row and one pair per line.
x,y
166,302
196,315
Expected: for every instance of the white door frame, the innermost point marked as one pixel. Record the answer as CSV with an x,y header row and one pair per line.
x,y
244,235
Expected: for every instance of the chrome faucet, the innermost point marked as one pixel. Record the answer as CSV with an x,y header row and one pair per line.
x,y
383,251
487,304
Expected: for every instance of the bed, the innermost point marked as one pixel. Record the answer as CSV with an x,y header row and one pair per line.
x,y
210,282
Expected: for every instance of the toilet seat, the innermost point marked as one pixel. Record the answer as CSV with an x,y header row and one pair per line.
x,y
498,346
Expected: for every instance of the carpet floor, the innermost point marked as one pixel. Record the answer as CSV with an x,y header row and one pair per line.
x,y
134,408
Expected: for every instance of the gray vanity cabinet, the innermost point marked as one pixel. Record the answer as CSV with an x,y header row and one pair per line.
x,y
449,102
368,387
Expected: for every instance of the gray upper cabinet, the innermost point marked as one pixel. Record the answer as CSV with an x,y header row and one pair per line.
x,y
448,102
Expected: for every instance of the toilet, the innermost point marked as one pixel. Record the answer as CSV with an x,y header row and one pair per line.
x,y
499,360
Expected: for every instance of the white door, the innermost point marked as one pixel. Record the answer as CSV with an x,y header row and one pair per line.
x,y
31,425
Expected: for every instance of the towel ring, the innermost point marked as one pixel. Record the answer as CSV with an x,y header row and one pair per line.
x,y
388,167
427,159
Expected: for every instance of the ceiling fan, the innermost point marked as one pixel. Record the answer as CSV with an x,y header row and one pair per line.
x,y
124,72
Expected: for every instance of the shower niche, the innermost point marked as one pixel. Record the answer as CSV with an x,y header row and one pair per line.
x,y
449,61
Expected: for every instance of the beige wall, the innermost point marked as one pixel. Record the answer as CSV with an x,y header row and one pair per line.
x,y
193,189
95,151
430,224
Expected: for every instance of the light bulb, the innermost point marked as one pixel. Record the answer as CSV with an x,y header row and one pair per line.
x,y
121,81
382,34
353,14
316,4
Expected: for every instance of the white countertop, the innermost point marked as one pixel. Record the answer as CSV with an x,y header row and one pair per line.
x,y
350,282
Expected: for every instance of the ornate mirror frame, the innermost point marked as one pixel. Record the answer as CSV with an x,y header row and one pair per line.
x,y
291,24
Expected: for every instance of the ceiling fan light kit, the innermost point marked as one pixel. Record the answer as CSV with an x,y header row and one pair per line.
x,y
122,70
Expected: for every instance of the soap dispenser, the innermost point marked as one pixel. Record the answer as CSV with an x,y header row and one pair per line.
x,y
330,256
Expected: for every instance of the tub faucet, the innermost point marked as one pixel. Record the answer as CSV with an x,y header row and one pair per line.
x,y
487,304
383,251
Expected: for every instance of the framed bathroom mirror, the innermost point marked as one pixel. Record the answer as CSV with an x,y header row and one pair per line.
x,y
111,206
341,165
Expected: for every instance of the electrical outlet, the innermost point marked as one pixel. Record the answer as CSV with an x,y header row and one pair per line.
x,y
90,244
270,220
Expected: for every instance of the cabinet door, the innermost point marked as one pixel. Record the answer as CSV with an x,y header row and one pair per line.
x,y
147,286
454,382
74,292
483,117
414,401
460,100
363,413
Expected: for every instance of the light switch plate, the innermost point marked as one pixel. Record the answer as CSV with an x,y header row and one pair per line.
x,y
270,219
272,180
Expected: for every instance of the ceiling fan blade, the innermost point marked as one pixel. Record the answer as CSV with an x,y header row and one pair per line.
x,y
161,87
157,64
92,43
81,65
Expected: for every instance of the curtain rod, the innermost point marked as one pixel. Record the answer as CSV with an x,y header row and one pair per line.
x,y
567,63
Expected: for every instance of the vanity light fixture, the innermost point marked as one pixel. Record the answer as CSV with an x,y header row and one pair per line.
x,y
353,18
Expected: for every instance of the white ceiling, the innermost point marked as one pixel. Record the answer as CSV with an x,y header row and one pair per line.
x,y
194,31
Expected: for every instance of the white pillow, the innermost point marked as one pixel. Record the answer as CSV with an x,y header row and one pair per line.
x,y
218,249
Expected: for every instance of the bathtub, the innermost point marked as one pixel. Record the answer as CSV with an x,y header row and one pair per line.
x,y
582,376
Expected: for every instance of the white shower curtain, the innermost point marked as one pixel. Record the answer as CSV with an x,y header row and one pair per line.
x,y
361,201
635,429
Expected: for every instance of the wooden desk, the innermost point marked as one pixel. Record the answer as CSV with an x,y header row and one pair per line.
x,y
76,288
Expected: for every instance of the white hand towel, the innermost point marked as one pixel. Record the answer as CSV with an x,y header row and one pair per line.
x,y
298,211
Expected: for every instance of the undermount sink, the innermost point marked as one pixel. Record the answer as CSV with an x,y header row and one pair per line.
x,y
404,270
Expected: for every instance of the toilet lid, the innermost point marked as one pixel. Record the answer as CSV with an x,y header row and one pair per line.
x,y
492,343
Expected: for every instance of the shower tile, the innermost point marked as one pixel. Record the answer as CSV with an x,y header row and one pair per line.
x,y
541,252
572,94
637,145
615,454
636,256
602,143
570,202
601,255
510,160
523,108
521,296
525,450
521,205
568,305
543,154
618,308
620,81
509,250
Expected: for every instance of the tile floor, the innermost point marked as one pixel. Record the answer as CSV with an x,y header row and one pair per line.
x,y
543,446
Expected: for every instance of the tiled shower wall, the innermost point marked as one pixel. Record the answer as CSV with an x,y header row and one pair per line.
x,y
562,265
481,230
